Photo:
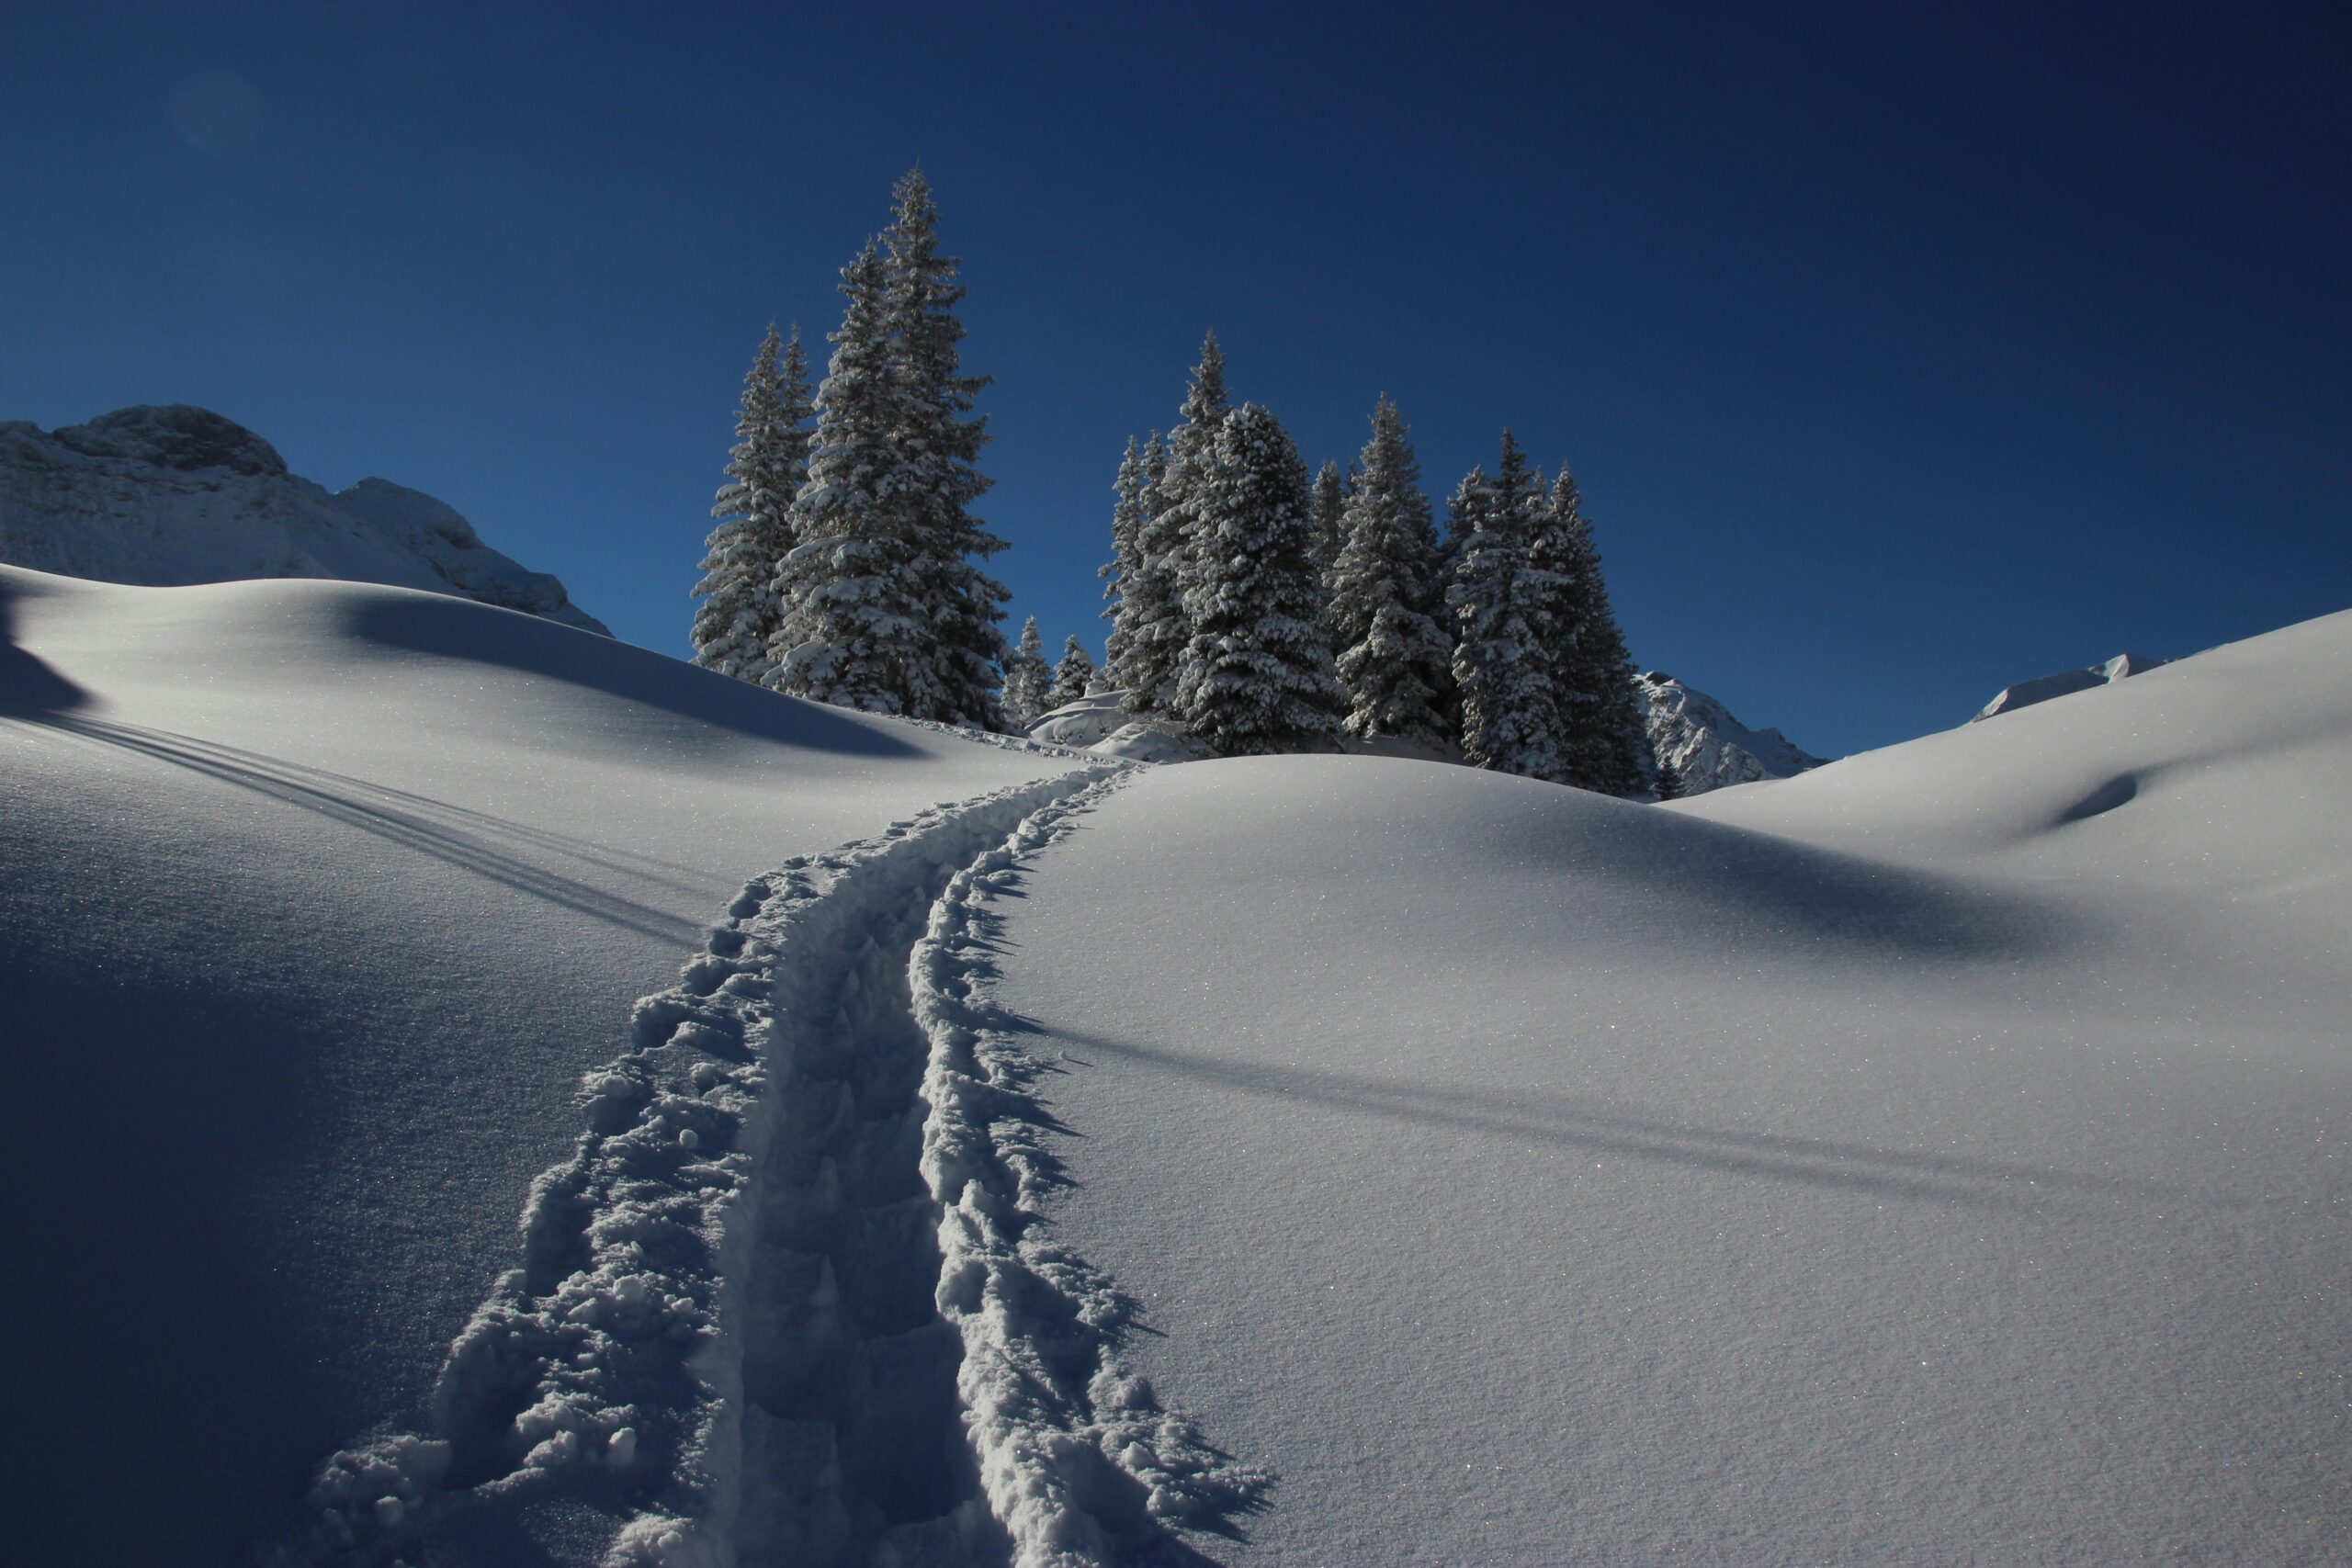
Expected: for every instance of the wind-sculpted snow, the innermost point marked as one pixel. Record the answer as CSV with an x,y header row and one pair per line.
x,y
792,1250
2065,682
1933,1158
340,888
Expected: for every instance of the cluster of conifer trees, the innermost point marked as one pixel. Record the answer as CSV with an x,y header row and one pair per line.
x,y
842,567
1259,610
1034,688
1266,612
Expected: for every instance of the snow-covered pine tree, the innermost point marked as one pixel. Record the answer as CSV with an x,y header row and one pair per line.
x,y
857,628
739,612
1027,679
1503,602
939,443
1074,674
1327,506
1603,736
1159,630
1257,676
1386,612
1128,515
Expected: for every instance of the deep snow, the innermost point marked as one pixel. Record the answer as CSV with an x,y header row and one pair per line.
x,y
1936,1158
1930,1158
2065,682
1709,747
316,900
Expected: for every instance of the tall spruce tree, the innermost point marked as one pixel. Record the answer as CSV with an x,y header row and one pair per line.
x,y
1387,613
1503,602
1256,676
857,628
938,478
1074,674
1027,679
1129,514
1327,506
1603,737
740,613
1159,628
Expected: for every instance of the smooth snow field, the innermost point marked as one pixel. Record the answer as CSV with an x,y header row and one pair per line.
x,y
1936,1158
490,1095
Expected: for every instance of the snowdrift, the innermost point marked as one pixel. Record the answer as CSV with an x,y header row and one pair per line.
x,y
1935,1157
316,900
929,1151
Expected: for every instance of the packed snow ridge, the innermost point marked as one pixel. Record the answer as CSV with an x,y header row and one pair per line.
x,y
2025,694
173,495
785,1302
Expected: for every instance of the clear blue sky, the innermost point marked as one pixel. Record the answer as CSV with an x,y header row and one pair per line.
x,y
1902,350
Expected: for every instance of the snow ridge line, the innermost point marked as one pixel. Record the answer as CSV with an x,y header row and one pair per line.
x,y
608,1369
1079,1461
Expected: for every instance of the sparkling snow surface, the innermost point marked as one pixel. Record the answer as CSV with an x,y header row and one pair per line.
x,y
1934,1158
315,901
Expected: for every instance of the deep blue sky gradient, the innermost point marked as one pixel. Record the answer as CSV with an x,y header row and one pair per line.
x,y
1902,350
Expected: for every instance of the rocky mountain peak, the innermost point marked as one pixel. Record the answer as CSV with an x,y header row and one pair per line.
x,y
173,435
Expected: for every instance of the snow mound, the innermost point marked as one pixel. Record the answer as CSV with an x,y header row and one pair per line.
x,y
1709,747
173,495
331,893
1100,723
1935,1157
2025,694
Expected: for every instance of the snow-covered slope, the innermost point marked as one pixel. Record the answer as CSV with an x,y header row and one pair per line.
x,y
1933,1158
316,900
944,1153
173,495
2025,694
1710,748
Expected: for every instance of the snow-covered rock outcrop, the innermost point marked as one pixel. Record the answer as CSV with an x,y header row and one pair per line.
x,y
173,495
1099,722
1708,747
2025,694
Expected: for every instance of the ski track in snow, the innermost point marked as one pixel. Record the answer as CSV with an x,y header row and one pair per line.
x,y
787,1301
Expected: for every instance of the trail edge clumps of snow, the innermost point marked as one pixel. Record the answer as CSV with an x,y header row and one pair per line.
x,y
609,1365
1076,1453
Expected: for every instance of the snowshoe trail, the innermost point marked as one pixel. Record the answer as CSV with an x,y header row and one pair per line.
x,y
784,1304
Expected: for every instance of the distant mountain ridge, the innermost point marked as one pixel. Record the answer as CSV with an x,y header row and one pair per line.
x,y
169,495
1709,747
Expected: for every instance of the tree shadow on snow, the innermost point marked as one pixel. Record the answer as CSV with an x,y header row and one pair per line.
x,y
459,629
28,686
1590,1126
